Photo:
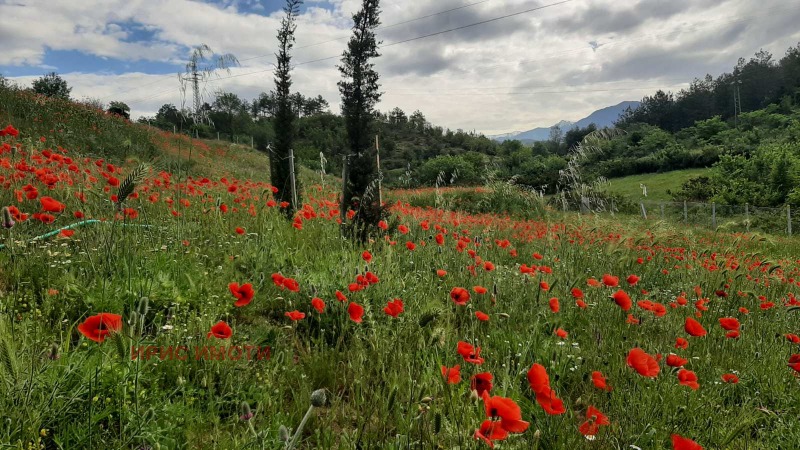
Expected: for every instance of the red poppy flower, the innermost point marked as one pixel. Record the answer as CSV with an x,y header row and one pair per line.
x,y
632,280
482,316
580,304
599,381
277,279
682,443
793,338
490,431
452,374
394,308
610,280
694,328
550,403
459,295
244,293
441,273
49,204
632,320
676,361
220,330
594,420
794,362
544,286
295,315
481,382
507,411
561,333
469,353
688,378
730,378
576,293
67,233
622,299
410,245
593,282
487,266
538,378
479,290
99,326
318,304
554,306
356,312
729,323
643,363
291,284
239,230
367,256
681,343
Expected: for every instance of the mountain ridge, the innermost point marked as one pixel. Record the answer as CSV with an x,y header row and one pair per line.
x,y
604,117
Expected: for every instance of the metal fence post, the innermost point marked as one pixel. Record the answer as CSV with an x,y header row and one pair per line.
x,y
747,216
644,211
714,215
685,213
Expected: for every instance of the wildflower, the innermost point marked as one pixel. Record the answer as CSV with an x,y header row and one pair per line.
x,y
295,315
481,382
594,419
599,381
220,330
643,363
452,374
318,304
394,308
730,378
356,312
244,293
459,295
682,443
99,326
694,328
482,316
688,378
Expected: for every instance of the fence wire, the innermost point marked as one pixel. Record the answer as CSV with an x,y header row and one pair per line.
x,y
729,218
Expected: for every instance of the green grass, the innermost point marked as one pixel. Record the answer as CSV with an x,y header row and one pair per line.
x,y
657,184
382,376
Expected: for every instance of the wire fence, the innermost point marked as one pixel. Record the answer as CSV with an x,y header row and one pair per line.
x,y
731,218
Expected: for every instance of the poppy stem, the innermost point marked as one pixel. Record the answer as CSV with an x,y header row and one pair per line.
x,y
300,428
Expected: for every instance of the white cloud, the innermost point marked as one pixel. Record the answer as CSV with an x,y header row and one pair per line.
x,y
461,79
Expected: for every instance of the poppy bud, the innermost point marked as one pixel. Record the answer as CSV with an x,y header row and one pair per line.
x,y
8,220
53,353
247,414
283,433
318,398
144,306
426,400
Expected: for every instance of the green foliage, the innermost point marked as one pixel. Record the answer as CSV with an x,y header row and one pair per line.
x,y
52,85
360,92
281,164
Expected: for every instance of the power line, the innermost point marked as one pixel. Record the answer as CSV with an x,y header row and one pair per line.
x,y
380,28
323,42
438,33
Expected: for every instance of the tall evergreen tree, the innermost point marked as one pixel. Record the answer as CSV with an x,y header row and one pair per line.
x,y
280,165
360,92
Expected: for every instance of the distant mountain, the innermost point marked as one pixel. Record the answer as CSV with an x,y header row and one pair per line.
x,y
602,118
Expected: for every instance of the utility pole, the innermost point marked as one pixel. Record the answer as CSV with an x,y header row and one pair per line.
x,y
737,102
380,176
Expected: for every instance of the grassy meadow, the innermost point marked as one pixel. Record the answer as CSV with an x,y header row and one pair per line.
x,y
542,315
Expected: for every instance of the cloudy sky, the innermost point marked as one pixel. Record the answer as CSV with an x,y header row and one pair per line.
x,y
546,61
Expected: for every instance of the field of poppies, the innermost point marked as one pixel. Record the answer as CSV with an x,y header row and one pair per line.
x,y
143,308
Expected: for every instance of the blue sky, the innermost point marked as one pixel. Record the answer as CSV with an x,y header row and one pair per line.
x,y
529,68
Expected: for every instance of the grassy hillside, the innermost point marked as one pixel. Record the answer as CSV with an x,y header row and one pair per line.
x,y
136,330
657,184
